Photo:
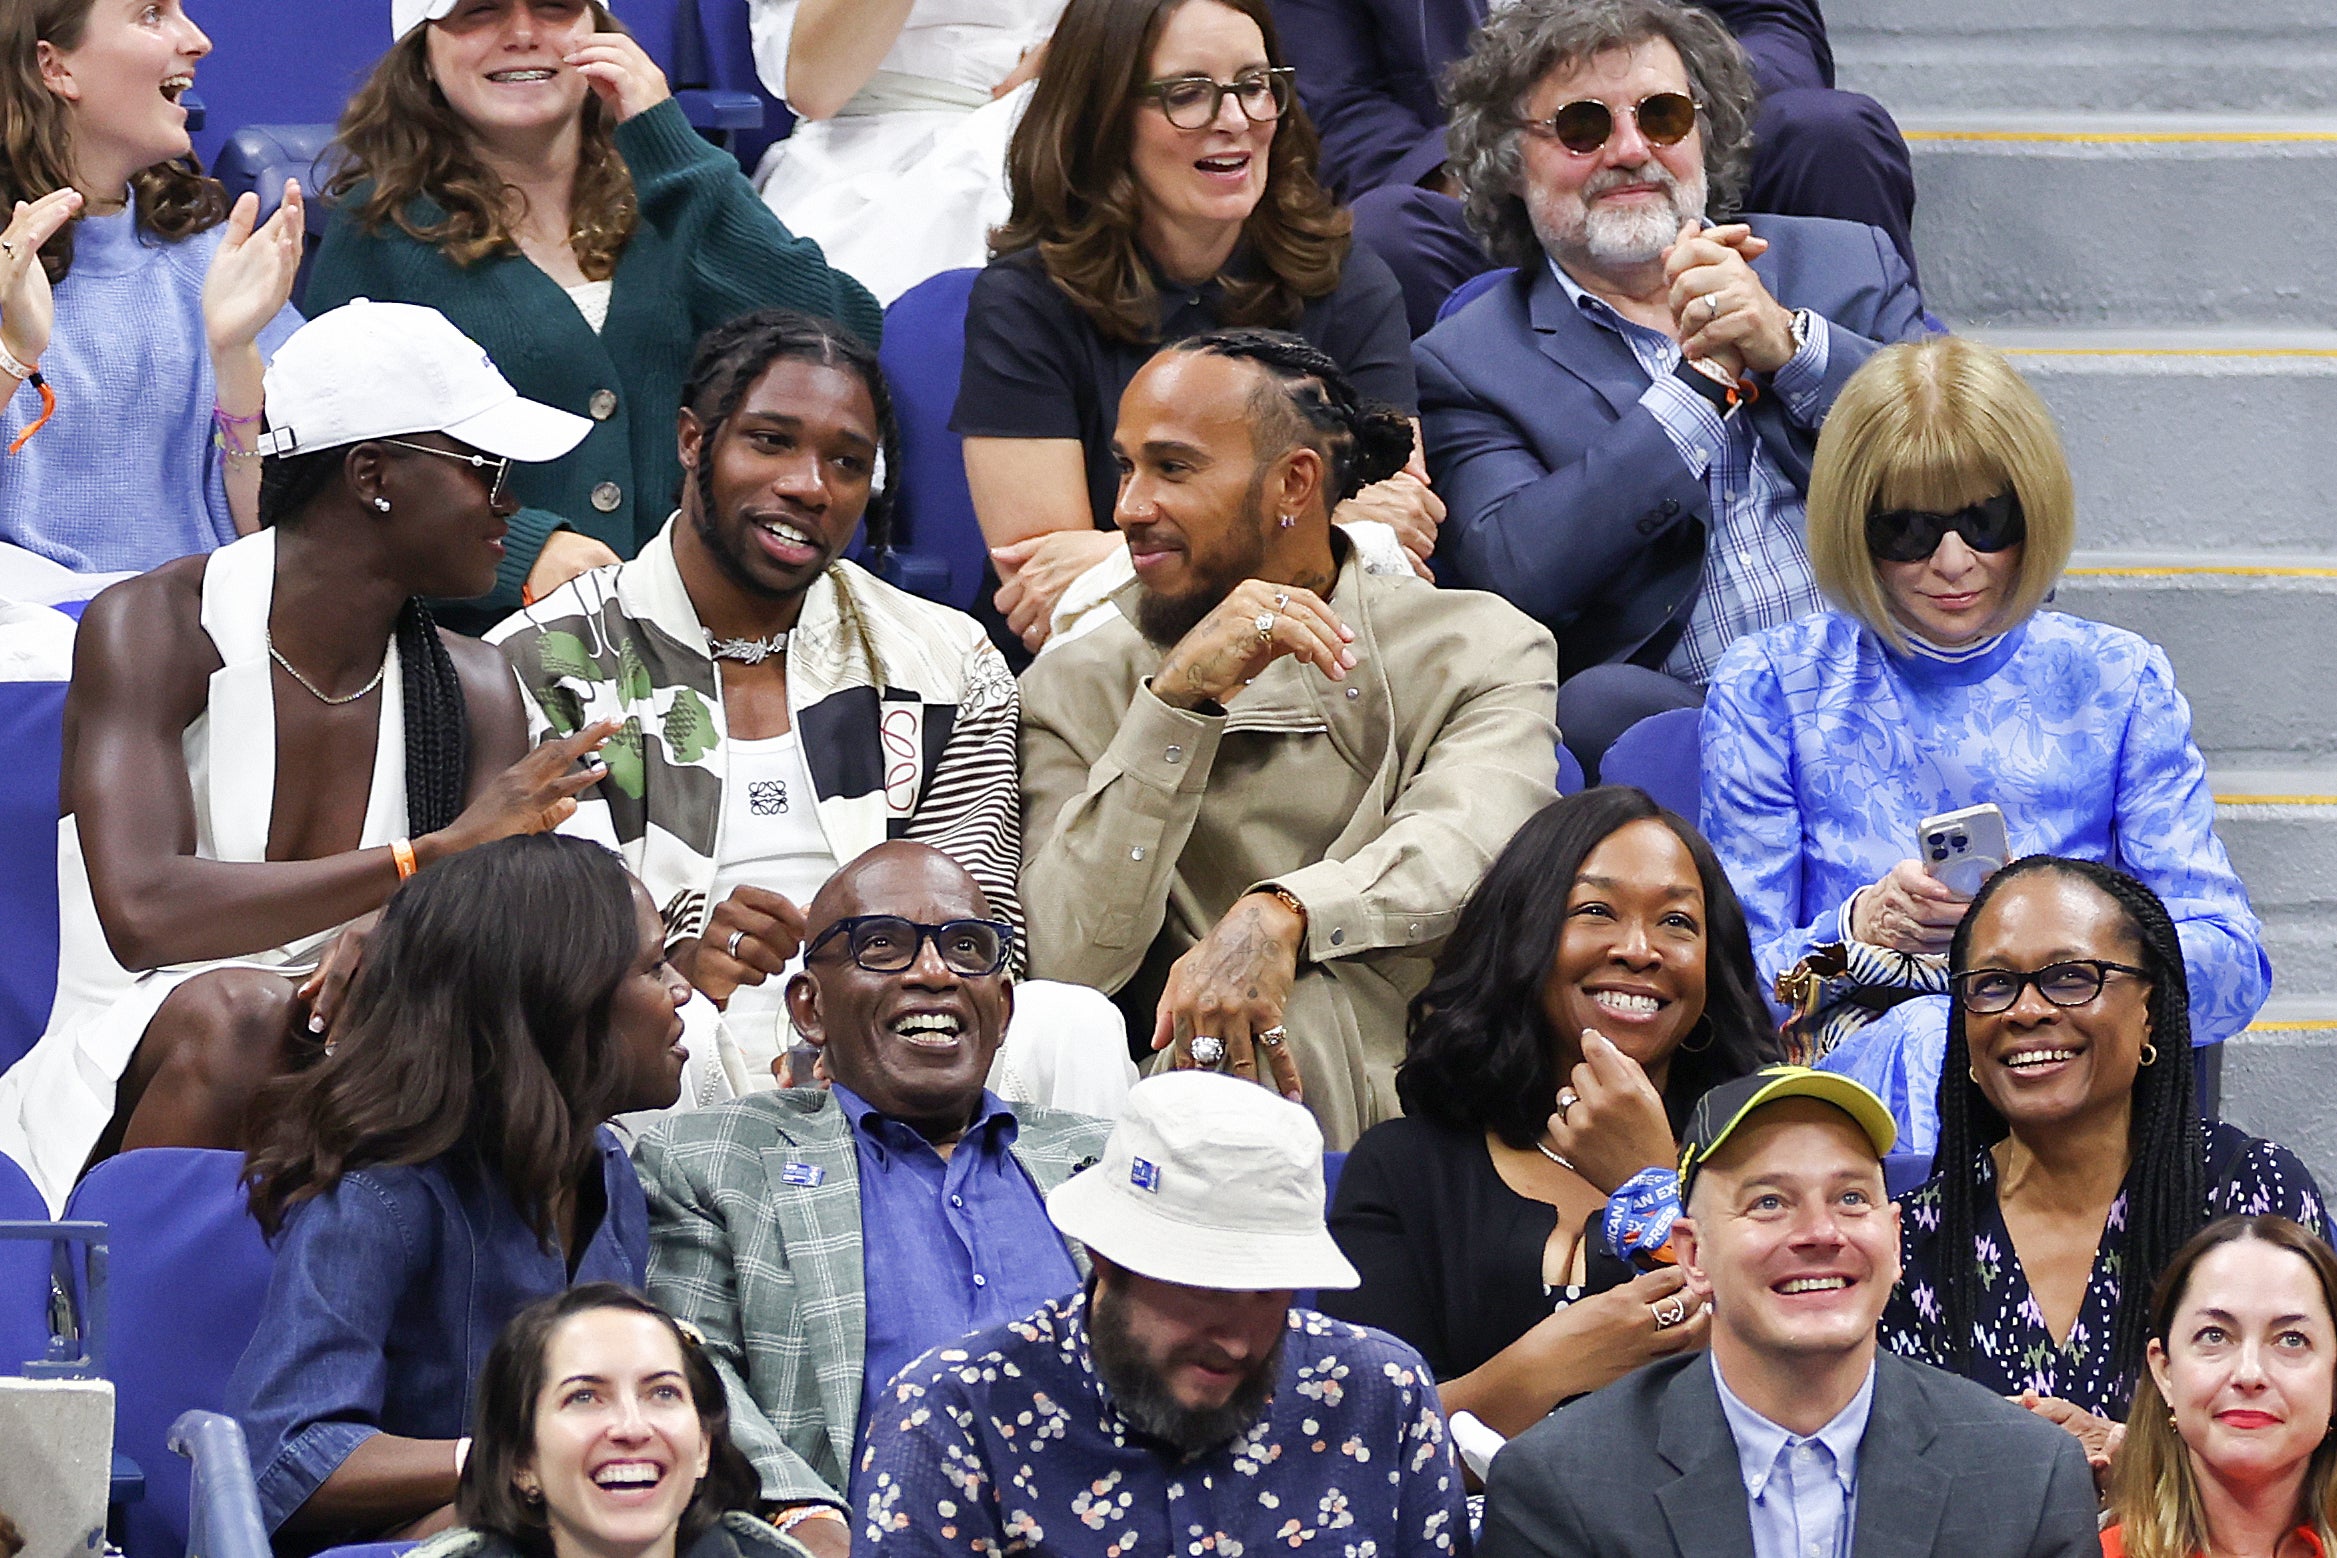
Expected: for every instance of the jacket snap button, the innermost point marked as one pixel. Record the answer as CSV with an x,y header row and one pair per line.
x,y
603,404
607,496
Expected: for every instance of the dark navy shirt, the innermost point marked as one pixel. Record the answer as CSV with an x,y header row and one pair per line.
x,y
950,1247
387,1292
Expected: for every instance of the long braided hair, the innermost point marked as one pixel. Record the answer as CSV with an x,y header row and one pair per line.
x,y
732,356
1314,400
2165,1187
438,726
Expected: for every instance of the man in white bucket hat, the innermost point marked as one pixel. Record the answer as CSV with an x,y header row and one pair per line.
x,y
1181,1404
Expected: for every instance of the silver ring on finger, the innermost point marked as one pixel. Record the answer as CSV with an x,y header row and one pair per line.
x,y
1567,1099
1669,1311
1281,600
730,948
1208,1051
1711,306
8,248
1265,627
1272,1037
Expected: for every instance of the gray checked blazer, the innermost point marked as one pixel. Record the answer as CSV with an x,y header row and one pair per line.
x,y
1647,1468
754,1237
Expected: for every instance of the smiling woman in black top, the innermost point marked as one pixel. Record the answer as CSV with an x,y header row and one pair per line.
x,y
1604,951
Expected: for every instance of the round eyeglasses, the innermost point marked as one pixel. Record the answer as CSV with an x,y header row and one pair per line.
x,y
1583,126
889,944
476,461
1193,102
1911,535
1992,990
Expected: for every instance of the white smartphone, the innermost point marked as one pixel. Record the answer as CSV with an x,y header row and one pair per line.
x,y
1963,849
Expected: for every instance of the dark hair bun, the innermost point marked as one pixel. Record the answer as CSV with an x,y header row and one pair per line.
x,y
1383,445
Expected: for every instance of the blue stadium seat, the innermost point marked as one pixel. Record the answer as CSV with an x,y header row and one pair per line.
x,y
1659,754
933,515
24,1274
708,57
283,62
189,1272
1469,290
32,725
1569,772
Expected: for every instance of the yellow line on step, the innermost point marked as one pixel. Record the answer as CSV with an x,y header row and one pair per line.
x,y
2276,800
2308,1024
2238,570
2129,137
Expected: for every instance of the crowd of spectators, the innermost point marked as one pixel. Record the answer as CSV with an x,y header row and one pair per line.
x,y
681,998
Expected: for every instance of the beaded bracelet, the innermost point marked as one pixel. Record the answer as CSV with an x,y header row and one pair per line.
x,y
225,424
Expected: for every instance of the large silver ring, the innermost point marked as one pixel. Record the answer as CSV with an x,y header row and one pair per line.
x,y
730,948
1567,1099
1272,1037
1711,306
1208,1051
1281,600
1669,1311
1265,626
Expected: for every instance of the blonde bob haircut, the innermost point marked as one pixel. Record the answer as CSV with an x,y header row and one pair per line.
x,y
1937,425
2154,1491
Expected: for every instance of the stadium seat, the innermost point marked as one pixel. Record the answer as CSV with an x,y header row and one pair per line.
x,y
24,1274
225,1519
277,62
1569,772
933,512
1469,290
32,724
1659,754
189,1272
708,57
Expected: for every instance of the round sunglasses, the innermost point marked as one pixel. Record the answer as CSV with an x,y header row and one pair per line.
x,y
1911,535
1582,127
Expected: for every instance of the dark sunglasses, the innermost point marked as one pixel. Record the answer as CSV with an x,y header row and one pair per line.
x,y
1192,102
1911,535
1665,118
1991,990
889,944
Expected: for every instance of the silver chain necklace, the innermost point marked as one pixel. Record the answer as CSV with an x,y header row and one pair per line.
x,y
1553,1157
315,691
746,651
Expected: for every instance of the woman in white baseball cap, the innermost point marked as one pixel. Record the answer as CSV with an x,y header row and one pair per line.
x,y
521,166
133,298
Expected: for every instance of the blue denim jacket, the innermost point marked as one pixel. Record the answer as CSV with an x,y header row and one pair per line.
x,y
388,1291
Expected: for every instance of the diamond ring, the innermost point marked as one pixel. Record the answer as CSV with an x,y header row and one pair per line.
x,y
1208,1051
1265,626
1272,1037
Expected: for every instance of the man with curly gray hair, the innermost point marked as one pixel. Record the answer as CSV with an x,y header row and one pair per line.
x,y
1622,430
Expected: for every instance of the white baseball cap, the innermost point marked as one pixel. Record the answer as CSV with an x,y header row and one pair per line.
x,y
381,370
1208,1182
406,15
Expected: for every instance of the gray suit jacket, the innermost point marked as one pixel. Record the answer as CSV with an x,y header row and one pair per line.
x,y
1647,1468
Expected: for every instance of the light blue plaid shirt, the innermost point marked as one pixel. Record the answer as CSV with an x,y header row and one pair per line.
x,y
1802,1494
1756,562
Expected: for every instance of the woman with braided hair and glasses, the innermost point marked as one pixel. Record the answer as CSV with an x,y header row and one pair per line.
x,y
2072,1159
262,742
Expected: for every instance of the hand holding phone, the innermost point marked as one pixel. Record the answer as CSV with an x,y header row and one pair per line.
x,y
1961,850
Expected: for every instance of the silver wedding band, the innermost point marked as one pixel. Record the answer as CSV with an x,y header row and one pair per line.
x,y
1272,1037
1669,1311
1711,306
1567,1099
1208,1051
1281,600
731,948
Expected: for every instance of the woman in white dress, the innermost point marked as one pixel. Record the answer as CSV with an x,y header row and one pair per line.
x,y
897,166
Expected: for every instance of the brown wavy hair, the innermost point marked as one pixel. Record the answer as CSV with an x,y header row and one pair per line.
x,y
1075,197
173,199
400,138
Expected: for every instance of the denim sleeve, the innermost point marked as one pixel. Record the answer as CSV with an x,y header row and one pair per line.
x,y
309,1388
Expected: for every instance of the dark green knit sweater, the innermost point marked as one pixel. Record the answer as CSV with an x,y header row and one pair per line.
x,y
707,250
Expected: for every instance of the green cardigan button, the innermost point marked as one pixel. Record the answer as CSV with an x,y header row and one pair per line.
x,y
607,496
602,405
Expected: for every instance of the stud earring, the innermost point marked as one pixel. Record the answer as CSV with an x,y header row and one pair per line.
x,y
381,504
1289,520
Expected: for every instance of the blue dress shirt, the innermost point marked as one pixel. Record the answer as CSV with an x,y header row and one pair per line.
x,y
1801,1493
948,1247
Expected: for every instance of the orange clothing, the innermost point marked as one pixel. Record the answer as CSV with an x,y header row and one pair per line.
x,y
2114,1542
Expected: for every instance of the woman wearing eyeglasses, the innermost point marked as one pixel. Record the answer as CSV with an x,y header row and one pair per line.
x,y
1940,517
2072,1160
1163,183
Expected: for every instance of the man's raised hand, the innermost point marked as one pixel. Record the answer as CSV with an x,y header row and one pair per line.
x,y
1255,625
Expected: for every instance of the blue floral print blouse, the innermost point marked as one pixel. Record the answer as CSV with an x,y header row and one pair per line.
x,y
1007,1442
1823,749
2012,1350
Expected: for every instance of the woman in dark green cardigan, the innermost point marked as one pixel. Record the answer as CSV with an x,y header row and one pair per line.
x,y
520,166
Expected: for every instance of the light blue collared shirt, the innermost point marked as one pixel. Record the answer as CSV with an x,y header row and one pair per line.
x,y
1801,1493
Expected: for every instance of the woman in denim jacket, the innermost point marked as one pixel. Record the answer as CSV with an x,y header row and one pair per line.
x,y
444,1164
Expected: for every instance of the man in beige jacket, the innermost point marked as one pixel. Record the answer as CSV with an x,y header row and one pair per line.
x,y
1254,804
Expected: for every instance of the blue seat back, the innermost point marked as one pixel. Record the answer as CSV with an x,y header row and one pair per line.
x,y
1569,772
32,727
189,1273
277,62
923,355
1659,754
1468,291
24,1273
708,55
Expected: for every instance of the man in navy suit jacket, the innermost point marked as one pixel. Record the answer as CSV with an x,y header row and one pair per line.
x,y
1622,430
1368,71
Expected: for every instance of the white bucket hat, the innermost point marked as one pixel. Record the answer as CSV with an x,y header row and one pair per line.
x,y
406,15
1208,1182
383,370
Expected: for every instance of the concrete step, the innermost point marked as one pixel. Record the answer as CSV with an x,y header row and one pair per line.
x,y
2253,639
2042,60
2256,413
2277,1076
2061,219
2281,828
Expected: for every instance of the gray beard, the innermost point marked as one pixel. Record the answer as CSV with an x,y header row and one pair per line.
x,y
1146,1402
1566,226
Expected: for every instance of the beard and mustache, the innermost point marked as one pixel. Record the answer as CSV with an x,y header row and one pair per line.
x,y
1143,1396
1567,222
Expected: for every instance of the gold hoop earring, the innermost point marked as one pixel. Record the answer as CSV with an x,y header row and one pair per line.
x,y
1698,1049
1971,1076
2149,1053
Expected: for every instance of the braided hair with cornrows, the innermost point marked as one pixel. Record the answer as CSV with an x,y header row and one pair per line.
x,y
1315,404
438,726
731,357
2166,1182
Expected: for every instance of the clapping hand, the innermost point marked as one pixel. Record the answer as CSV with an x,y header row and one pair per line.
x,y
1721,310
251,276
27,311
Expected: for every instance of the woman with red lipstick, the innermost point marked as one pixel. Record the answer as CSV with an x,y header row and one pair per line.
x,y
2229,1452
444,1163
1941,514
1163,182
2072,1161
1597,984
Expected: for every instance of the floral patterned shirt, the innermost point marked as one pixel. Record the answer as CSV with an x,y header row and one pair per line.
x,y
2012,1350
1008,1442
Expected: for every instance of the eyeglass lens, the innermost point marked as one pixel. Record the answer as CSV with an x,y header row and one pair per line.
x,y
886,945
1192,102
1991,990
1665,118
1911,535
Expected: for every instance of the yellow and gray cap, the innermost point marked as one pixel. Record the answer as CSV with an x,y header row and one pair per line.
x,y
1719,1112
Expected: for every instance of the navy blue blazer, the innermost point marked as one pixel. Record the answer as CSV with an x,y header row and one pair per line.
x,y
1566,496
1368,69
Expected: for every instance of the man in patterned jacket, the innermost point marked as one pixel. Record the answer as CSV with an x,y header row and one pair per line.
x,y
782,710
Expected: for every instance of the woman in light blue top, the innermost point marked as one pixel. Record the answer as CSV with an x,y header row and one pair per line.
x,y
1940,517
146,304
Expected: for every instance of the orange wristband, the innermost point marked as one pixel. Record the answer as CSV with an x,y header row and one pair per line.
x,y
402,851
